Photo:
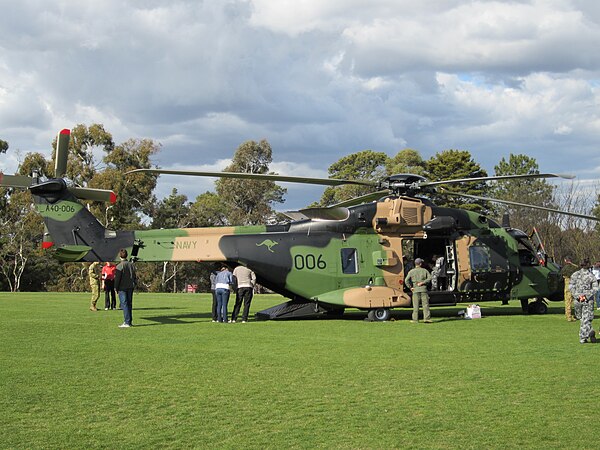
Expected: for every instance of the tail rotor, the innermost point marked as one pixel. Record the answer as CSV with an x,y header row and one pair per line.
x,y
60,169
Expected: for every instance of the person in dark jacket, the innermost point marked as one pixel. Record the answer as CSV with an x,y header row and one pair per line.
x,y
125,282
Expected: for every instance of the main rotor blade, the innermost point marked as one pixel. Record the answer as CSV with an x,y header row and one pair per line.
x,y
499,177
328,213
258,176
17,181
525,205
62,153
362,199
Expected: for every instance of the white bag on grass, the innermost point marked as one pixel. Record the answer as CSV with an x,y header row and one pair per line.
x,y
473,312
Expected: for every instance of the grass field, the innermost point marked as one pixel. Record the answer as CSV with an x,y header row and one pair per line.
x,y
70,378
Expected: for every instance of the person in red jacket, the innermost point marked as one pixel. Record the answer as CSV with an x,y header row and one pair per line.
x,y
108,284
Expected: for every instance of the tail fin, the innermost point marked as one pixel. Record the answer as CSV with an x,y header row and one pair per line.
x,y
72,231
69,228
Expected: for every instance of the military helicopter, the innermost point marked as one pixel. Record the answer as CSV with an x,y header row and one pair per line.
x,y
350,255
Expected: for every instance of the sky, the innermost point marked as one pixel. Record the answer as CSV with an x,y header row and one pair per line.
x,y
317,79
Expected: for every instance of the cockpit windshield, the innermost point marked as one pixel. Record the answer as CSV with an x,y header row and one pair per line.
x,y
527,253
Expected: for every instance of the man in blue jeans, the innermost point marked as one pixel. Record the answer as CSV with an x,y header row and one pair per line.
x,y
223,282
125,282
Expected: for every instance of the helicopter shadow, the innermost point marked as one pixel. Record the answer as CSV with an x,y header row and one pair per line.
x,y
180,319
453,313
159,308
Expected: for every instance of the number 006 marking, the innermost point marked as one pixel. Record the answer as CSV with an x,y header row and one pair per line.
x,y
309,262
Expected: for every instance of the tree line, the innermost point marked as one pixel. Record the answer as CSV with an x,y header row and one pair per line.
x,y
24,266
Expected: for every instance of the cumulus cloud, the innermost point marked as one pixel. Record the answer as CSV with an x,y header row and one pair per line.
x,y
317,79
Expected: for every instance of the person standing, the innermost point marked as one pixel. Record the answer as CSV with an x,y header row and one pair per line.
x,y
438,273
108,283
583,287
566,271
246,279
596,273
94,277
213,277
223,281
125,282
417,280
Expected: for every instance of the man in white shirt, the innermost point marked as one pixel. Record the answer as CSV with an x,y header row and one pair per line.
x,y
246,279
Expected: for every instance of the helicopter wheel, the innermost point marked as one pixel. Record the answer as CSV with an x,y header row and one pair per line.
x,y
538,307
379,314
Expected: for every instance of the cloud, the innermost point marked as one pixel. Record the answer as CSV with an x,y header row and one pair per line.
x,y
318,80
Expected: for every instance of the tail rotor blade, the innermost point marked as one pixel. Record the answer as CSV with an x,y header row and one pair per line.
x,y
95,195
62,153
16,181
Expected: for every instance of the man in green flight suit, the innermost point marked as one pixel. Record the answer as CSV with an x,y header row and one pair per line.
x,y
417,280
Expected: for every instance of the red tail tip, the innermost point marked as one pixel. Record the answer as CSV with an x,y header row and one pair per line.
x,y
47,245
65,131
113,197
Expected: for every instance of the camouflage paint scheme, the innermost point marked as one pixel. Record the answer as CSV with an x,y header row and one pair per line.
x,y
352,262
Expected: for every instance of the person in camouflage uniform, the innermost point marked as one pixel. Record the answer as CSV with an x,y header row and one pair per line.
x,y
94,276
417,280
583,287
566,271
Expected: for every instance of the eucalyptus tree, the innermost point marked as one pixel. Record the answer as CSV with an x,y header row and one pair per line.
x,y
249,202
453,164
363,165
534,191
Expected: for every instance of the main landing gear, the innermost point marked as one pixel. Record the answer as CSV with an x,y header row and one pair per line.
x,y
539,306
379,314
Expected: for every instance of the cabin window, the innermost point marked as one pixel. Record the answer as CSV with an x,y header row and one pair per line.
x,y
480,258
349,260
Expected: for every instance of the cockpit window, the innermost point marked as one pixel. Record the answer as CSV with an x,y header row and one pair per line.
x,y
479,256
527,253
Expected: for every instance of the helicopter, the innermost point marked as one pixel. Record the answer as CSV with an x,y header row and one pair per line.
x,y
350,255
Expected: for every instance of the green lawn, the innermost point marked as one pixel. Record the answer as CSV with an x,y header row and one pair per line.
x,y
70,378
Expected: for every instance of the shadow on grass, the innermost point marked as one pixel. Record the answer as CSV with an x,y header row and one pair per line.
x,y
444,314
180,319
154,309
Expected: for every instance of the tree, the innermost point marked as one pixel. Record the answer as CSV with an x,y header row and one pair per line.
x,y
20,229
567,235
365,165
171,212
453,164
134,192
16,243
3,146
208,211
36,163
249,202
406,161
535,191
